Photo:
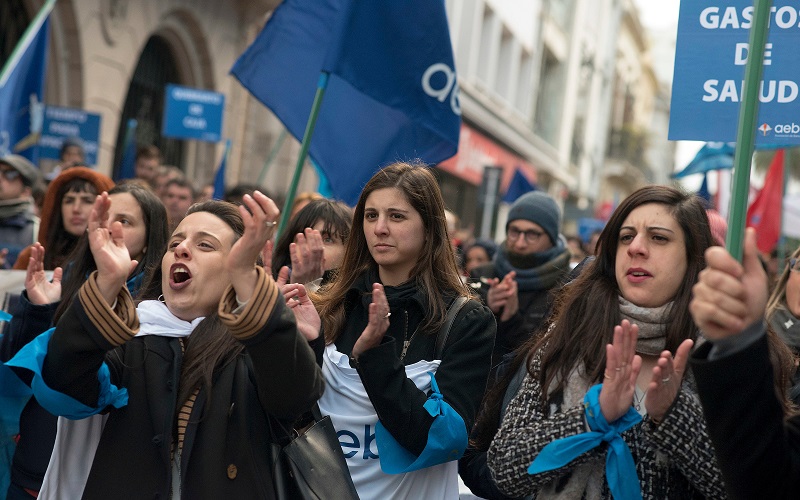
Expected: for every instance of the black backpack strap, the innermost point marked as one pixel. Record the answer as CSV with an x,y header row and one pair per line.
x,y
452,312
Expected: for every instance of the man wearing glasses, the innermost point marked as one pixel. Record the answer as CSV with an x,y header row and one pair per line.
x,y
532,260
17,220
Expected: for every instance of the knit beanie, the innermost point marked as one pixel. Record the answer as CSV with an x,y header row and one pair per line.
x,y
28,172
540,209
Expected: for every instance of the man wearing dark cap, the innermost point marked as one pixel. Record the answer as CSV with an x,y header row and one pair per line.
x,y
17,219
532,261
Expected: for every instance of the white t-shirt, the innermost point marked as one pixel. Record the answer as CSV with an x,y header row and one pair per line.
x,y
354,418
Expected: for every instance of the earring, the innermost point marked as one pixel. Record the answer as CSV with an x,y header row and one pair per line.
x,y
161,298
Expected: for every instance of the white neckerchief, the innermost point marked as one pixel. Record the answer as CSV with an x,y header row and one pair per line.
x,y
156,319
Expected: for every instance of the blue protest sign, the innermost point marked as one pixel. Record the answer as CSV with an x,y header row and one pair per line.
x,y
61,123
710,57
191,113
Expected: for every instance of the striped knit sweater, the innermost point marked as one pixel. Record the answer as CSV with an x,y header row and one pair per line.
x,y
674,459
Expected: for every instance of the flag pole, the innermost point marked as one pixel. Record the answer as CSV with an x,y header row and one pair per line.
x,y
322,84
25,40
745,135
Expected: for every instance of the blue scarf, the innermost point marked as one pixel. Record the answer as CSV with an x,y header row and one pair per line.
x,y
620,468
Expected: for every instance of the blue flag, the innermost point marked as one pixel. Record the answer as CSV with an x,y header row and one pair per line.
x,y
219,177
127,167
712,156
518,186
392,93
22,90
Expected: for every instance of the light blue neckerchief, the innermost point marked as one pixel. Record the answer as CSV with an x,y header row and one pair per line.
x,y
620,469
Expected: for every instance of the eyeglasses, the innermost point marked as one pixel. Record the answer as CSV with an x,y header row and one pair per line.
x,y
531,235
10,174
794,265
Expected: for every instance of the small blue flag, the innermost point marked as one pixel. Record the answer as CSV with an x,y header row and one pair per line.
x,y
22,90
712,156
219,177
518,186
392,93
127,167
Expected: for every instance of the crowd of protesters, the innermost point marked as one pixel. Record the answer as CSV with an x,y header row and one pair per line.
x,y
164,341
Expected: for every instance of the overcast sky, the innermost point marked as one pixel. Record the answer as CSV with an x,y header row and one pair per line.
x,y
659,14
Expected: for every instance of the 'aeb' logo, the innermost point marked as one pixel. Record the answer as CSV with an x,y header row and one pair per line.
x,y
764,128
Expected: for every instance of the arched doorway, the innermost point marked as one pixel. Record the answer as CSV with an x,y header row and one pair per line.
x,y
156,68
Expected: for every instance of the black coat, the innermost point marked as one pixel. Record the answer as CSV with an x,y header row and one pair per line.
x,y
461,377
758,451
534,307
226,448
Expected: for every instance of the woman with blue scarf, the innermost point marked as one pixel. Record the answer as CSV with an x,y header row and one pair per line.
x,y
604,409
144,225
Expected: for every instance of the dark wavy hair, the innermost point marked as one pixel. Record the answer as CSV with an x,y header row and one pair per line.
x,y
435,271
81,261
210,346
336,218
587,310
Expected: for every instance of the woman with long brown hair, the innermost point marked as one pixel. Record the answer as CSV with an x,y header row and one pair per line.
x,y
611,369
383,317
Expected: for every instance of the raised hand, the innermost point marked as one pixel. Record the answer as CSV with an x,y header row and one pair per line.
x,y
111,256
40,290
502,296
378,322
622,369
308,322
259,226
308,256
729,296
3,257
666,381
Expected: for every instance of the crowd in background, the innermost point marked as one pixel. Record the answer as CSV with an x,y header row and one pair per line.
x,y
183,334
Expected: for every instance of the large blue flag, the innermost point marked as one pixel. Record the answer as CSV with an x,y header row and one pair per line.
x,y
392,93
22,90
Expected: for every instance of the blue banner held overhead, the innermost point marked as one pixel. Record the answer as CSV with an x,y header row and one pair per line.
x,y
710,57
191,113
63,123
392,93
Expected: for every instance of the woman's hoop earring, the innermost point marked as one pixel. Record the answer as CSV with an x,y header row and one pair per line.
x,y
161,298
